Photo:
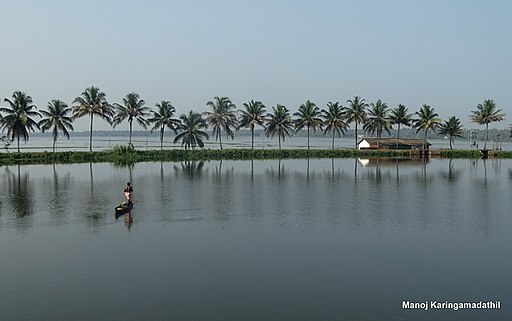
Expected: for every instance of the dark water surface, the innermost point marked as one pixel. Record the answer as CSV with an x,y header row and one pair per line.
x,y
262,240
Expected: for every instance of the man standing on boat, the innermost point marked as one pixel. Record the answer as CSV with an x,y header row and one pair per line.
x,y
128,190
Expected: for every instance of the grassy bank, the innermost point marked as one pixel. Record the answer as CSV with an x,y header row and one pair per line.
x,y
122,154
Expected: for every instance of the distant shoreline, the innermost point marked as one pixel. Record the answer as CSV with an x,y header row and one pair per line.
x,y
123,155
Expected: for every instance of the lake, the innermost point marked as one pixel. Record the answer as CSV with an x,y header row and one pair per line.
x,y
318,239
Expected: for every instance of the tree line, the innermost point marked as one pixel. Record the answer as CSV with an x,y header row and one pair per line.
x,y
18,118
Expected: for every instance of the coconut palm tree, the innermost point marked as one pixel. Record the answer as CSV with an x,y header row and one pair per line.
x,y
191,134
56,119
308,116
222,117
334,120
378,119
164,118
399,116
279,122
92,102
18,120
355,112
133,107
426,118
254,114
451,127
486,113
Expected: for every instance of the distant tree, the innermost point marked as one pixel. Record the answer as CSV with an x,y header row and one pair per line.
x,y
333,120
57,119
92,102
133,107
426,118
190,132
378,119
164,118
222,117
451,127
486,113
308,116
279,122
355,112
18,119
254,114
399,116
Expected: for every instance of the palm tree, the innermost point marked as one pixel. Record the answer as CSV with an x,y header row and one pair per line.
x,y
355,112
451,127
92,102
334,120
378,119
308,116
486,113
399,116
18,121
164,118
279,123
56,117
190,130
133,107
222,117
254,114
426,118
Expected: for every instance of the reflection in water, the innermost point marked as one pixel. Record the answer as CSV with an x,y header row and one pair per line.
x,y
20,197
452,174
128,220
192,170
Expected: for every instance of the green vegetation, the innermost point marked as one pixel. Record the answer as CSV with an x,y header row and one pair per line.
x,y
426,119
93,102
18,119
254,114
308,116
487,113
279,122
123,155
451,127
132,108
57,119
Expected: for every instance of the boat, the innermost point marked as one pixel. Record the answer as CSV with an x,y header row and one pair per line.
x,y
123,208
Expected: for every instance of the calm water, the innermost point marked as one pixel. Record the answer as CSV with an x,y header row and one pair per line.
x,y
339,239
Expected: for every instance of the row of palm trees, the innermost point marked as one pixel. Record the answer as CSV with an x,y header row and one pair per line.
x,y
224,117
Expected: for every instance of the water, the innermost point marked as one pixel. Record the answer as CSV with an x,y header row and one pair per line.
x,y
262,240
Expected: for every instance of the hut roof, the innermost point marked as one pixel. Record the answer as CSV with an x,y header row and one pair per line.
x,y
392,141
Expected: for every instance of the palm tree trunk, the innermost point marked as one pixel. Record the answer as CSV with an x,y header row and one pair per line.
x,y
333,139
130,139
90,134
220,140
252,138
486,135
18,137
162,138
425,143
398,136
55,135
279,141
451,143
308,137
356,135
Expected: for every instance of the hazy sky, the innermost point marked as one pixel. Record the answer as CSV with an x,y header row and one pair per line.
x,y
449,54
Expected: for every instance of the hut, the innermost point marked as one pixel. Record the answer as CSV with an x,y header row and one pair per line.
x,y
392,143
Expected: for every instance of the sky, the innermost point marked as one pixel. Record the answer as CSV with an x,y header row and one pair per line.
x,y
451,55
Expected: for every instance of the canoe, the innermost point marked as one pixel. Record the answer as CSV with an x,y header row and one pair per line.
x,y
123,208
